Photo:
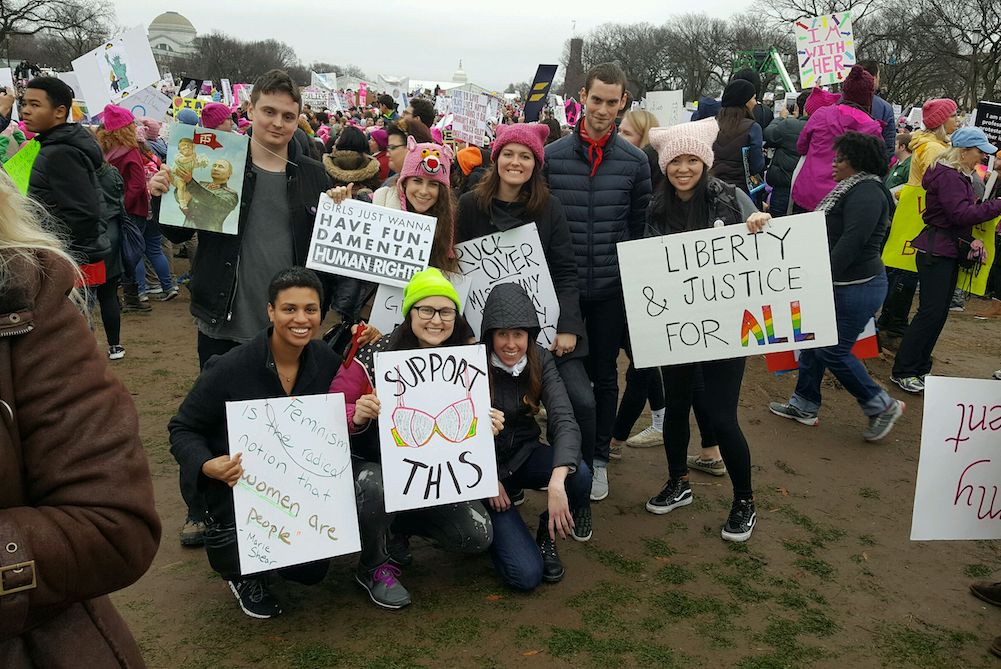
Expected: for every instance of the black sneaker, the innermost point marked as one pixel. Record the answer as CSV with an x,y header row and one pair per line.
x,y
517,496
675,493
582,524
552,567
740,524
398,548
254,597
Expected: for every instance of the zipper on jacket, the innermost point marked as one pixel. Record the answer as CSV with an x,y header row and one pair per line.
x,y
232,292
11,332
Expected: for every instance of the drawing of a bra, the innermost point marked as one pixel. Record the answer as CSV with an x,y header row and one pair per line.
x,y
413,428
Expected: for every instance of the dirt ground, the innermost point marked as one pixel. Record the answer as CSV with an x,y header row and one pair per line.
x,y
829,579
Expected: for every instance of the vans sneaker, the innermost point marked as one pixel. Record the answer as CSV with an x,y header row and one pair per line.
x,y
647,438
741,522
675,493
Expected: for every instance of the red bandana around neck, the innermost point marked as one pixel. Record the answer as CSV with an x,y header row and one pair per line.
x,y
595,147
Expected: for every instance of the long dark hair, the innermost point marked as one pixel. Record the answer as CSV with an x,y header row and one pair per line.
x,y
534,193
443,247
729,119
668,213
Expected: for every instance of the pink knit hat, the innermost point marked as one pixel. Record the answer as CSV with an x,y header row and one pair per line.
x,y
381,138
532,135
213,115
695,138
152,126
427,160
115,117
819,98
937,111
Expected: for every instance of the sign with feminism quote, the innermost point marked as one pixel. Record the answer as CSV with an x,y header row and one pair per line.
x,y
513,256
825,49
387,308
959,471
295,502
435,432
369,242
725,292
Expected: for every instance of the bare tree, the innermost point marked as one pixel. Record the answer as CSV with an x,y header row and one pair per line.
x,y
73,23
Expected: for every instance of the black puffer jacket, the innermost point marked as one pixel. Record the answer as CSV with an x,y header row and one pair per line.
x,y
782,135
509,307
64,180
555,238
726,203
602,210
214,275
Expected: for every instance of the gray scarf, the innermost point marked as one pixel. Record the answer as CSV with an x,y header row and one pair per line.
x,y
839,191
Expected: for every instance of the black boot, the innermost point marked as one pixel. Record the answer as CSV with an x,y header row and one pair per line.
x,y
132,303
552,568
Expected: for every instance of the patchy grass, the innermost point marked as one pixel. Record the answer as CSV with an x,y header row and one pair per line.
x,y
868,493
675,574
931,646
977,571
819,568
786,467
617,562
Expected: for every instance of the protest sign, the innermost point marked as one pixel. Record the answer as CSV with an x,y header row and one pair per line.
x,y
7,82
667,106
908,223
435,432
539,91
195,104
242,93
442,104
327,80
18,168
387,308
362,93
216,161
315,96
956,492
866,347
825,49
559,109
989,120
513,256
915,118
148,102
572,109
227,92
469,117
116,69
369,242
295,502
724,292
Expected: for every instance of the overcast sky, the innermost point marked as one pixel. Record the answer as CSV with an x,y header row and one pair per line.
x,y
498,44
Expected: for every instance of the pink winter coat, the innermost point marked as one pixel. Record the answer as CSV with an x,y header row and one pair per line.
x,y
816,142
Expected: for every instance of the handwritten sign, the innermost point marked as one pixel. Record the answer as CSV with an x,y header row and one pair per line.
x,y
989,120
956,493
908,223
725,292
295,502
435,432
369,242
825,49
387,308
115,70
470,114
513,256
18,168
667,106
195,104
148,102
315,96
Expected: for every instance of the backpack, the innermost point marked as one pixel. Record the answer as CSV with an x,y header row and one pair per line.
x,y
113,189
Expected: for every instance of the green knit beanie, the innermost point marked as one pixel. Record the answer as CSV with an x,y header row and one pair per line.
x,y
428,283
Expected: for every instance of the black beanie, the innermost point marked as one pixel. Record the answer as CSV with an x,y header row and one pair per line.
x,y
737,93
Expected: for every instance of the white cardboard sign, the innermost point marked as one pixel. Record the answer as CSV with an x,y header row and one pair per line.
x,y
116,69
956,492
825,49
148,102
387,308
369,242
470,116
513,256
667,106
435,432
295,502
724,292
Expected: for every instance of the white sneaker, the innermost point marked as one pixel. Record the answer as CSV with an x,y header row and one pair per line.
x,y
599,485
997,375
116,352
647,438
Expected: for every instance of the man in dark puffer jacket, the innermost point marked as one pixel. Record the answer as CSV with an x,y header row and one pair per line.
x,y
604,184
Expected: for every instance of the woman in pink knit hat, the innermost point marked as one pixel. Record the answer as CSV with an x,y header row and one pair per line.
x,y
691,199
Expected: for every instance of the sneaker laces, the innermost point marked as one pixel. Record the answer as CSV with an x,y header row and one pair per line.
x,y
548,548
740,512
253,588
386,574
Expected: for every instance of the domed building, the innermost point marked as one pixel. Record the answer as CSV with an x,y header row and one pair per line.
x,y
172,35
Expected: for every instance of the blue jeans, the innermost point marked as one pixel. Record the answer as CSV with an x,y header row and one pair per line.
x,y
152,236
514,551
854,306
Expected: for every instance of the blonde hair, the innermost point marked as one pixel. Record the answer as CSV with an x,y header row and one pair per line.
x,y
953,157
642,121
940,133
22,236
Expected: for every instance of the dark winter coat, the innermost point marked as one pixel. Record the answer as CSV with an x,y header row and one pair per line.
x,y
555,238
656,174
602,210
728,154
76,504
214,275
727,203
782,135
129,163
883,112
247,372
64,180
509,307
951,211
856,230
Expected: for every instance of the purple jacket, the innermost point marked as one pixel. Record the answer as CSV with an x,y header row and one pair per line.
x,y
816,142
951,206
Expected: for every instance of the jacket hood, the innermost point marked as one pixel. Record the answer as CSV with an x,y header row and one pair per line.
x,y
923,139
350,166
78,137
509,308
847,118
937,172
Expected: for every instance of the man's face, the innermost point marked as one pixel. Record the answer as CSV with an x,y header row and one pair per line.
x,y
274,119
38,113
221,171
601,105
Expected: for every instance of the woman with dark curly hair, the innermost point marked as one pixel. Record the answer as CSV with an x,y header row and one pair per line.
x,y
858,214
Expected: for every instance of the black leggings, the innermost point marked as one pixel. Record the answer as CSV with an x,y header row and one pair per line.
x,y
721,380
106,296
641,385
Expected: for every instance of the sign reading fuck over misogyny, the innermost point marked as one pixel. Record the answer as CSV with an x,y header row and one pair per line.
x,y
295,502
435,432
369,242
724,292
